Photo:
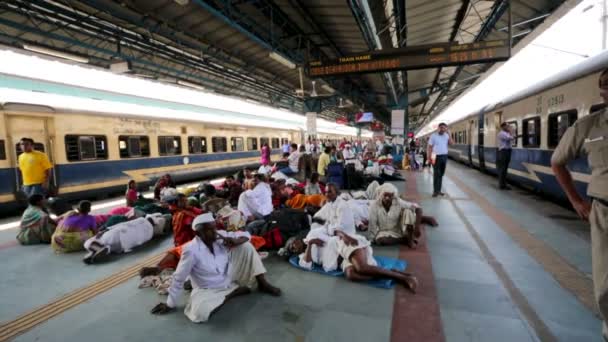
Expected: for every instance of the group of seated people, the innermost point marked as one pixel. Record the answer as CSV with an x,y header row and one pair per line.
x,y
219,231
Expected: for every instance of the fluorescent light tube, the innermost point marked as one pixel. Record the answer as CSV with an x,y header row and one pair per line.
x,y
55,53
279,58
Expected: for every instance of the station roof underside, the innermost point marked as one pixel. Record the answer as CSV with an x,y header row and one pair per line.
x,y
224,46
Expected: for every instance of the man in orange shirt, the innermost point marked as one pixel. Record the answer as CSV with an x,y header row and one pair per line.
x,y
35,169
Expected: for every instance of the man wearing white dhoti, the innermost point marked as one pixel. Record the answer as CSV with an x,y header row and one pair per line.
x,y
221,265
123,237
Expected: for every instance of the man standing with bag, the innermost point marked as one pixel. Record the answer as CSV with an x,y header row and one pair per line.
x,y
505,141
438,144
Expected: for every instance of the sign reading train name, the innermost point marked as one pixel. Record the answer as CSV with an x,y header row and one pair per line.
x,y
413,57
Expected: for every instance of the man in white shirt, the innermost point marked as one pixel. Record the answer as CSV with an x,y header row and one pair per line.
x,y
348,153
293,160
438,144
123,237
221,265
256,203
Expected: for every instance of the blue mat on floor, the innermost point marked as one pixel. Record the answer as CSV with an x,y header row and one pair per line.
x,y
384,262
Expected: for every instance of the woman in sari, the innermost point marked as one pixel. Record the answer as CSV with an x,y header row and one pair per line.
x,y
74,229
131,194
265,158
36,226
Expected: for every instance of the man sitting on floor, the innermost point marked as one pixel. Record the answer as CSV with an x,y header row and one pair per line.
x,y
220,265
393,220
257,203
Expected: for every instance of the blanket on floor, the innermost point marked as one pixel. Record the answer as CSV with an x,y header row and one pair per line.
x,y
384,262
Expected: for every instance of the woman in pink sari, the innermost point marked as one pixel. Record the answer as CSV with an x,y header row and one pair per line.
x,y
265,160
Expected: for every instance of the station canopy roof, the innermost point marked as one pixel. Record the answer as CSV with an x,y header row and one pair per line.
x,y
253,49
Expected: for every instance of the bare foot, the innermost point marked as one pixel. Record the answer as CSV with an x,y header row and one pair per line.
x,y
409,280
267,288
430,221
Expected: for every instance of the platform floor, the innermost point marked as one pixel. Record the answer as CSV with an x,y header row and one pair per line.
x,y
501,266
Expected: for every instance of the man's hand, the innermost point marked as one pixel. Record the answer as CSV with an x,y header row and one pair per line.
x,y
583,208
161,309
317,242
348,240
233,242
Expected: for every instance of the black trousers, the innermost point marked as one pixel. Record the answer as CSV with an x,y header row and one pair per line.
x,y
438,171
502,164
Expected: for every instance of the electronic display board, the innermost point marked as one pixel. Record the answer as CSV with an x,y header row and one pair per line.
x,y
415,57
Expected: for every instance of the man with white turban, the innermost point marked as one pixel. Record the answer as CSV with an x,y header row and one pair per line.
x,y
393,220
221,265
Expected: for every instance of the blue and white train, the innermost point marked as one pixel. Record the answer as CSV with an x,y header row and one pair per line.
x,y
538,116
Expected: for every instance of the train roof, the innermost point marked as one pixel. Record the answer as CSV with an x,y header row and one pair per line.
x,y
582,69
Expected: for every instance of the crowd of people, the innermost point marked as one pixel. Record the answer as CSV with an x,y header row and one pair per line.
x,y
221,233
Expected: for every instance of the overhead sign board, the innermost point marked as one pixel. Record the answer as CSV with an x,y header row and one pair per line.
x,y
414,57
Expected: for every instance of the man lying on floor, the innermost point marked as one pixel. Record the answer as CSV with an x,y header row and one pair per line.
x,y
221,265
393,220
124,236
333,238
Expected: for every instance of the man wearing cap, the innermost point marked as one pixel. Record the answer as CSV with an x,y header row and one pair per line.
x,y
221,265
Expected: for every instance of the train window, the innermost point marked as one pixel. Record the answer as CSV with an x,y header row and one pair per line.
x,y
252,143
168,146
219,144
131,146
86,147
197,145
597,107
558,124
532,132
275,143
513,125
265,141
237,144
2,150
464,133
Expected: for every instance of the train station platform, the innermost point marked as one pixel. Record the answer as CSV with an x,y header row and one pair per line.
x,y
501,266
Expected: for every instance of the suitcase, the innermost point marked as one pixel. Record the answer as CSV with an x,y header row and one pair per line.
x,y
335,174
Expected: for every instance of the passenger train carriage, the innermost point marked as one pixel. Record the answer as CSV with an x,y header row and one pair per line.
x,y
538,116
94,154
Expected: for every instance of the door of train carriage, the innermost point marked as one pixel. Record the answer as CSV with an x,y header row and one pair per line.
x,y
472,141
39,129
480,141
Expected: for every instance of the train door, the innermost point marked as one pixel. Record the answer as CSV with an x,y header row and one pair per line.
x,y
34,127
480,141
471,129
497,122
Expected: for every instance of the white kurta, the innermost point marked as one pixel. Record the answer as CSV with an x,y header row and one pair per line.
x,y
391,223
338,216
256,202
213,275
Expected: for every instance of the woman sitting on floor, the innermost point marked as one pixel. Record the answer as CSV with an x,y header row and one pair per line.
x,y
74,229
36,226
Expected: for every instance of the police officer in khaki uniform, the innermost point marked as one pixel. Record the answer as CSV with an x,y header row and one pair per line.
x,y
589,136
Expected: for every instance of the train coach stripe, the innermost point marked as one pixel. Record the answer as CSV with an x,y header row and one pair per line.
x,y
40,315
